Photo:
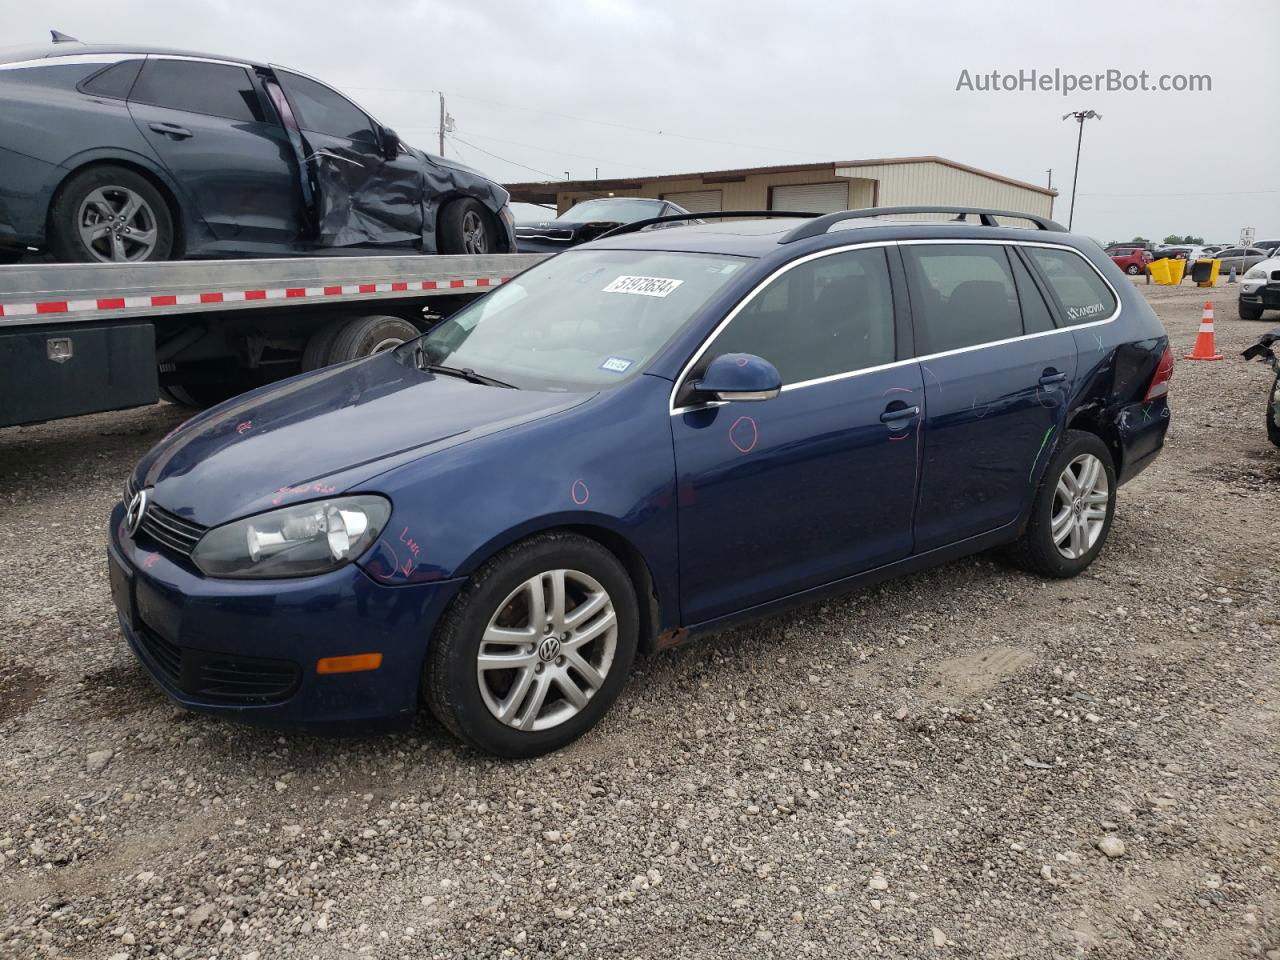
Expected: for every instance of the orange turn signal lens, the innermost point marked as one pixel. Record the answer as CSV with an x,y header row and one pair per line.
x,y
352,664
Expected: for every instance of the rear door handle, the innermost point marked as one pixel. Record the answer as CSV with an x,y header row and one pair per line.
x,y
1051,378
899,413
171,130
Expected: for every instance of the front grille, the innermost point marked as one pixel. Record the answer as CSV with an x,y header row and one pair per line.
x,y
217,677
170,530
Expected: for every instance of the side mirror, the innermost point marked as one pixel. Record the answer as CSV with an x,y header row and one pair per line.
x,y
740,376
390,142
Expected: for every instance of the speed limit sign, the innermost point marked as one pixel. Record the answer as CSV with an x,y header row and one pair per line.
x,y
1246,236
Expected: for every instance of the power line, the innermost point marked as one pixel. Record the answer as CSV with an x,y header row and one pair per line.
x,y
550,176
1237,193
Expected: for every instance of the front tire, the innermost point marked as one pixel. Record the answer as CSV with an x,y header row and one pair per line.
x,y
465,226
110,214
1133,270
1247,311
1072,511
535,649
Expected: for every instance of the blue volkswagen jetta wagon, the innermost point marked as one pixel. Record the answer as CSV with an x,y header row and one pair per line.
x,y
640,439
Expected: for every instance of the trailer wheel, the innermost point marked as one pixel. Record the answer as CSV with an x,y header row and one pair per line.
x,y
365,336
316,354
465,226
110,214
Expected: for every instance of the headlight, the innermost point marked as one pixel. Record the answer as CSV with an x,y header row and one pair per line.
x,y
297,541
1255,273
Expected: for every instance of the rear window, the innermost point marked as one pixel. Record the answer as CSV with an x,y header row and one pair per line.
x,y
213,89
1084,295
116,81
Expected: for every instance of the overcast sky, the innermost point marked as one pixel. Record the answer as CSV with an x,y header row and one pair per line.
x,y
668,86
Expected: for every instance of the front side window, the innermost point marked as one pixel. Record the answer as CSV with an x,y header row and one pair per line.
x,y
212,89
823,317
1084,295
321,110
964,294
580,321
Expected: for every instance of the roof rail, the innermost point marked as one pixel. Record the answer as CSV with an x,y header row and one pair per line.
x,y
709,215
819,226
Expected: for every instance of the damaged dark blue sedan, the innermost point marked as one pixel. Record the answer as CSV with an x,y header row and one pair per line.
x,y
127,153
646,437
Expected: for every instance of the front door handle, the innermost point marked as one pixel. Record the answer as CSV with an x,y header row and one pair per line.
x,y
171,130
894,414
1052,377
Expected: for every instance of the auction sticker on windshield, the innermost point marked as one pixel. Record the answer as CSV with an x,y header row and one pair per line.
x,y
644,286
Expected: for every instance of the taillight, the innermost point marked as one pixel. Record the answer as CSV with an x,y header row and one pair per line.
x,y
1164,373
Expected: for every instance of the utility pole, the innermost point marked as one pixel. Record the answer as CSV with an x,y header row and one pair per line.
x,y
1050,172
1080,116
442,124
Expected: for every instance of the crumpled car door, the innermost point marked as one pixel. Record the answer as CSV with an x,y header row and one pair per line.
x,y
359,197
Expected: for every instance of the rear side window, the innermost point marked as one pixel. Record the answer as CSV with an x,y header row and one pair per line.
x,y
322,110
827,316
116,81
964,293
1084,295
1036,317
213,89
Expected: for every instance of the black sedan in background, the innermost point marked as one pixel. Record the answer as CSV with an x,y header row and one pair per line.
x,y
588,220
124,153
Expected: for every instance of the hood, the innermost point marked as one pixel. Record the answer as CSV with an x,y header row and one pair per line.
x,y
325,433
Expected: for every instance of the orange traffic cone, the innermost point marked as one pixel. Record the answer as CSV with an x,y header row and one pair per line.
x,y
1203,349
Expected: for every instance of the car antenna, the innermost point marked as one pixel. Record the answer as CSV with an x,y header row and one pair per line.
x,y
60,37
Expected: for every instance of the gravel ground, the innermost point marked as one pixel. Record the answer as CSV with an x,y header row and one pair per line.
x,y
967,763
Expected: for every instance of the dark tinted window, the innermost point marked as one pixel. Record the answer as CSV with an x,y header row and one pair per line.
x,y
320,110
827,316
214,89
1036,317
964,294
115,81
1084,295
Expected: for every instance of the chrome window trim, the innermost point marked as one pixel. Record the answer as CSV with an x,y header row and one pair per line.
x,y
706,343
72,58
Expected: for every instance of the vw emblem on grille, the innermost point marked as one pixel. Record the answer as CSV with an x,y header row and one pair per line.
x,y
549,649
134,513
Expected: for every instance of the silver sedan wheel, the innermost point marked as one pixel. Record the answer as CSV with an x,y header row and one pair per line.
x,y
548,650
1080,506
475,238
117,225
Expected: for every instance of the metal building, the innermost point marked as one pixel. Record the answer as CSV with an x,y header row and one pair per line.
x,y
817,187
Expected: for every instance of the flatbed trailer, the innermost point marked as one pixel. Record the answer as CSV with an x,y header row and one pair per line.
x,y
82,338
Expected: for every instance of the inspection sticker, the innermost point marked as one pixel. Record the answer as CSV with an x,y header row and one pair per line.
x,y
616,364
645,286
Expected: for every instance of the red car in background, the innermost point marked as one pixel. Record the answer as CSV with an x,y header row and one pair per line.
x,y
1132,260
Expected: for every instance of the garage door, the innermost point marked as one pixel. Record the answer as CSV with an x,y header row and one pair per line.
x,y
811,197
696,201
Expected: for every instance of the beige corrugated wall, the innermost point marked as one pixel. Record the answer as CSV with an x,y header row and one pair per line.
x,y
900,184
915,184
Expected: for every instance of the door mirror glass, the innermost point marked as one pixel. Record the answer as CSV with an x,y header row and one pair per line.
x,y
739,376
390,143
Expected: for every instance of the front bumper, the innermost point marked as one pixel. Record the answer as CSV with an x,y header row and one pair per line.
x,y
1260,293
249,648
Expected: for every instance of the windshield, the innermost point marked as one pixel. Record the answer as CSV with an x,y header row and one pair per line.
x,y
618,210
580,321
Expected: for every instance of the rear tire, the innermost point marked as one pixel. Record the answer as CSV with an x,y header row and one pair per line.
x,y
1133,269
366,336
1248,312
1072,504
465,226
452,671
82,224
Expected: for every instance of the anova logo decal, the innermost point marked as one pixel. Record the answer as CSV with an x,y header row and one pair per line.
x,y
1082,313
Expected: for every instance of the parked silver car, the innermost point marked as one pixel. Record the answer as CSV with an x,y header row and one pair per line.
x,y
1242,258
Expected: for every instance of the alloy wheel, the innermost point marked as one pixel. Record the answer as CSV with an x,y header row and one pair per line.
x,y
475,238
117,225
547,650
1080,505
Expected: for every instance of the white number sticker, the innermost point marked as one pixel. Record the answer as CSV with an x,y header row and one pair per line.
x,y
644,286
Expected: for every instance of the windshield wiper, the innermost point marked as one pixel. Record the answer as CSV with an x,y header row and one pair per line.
x,y
466,373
